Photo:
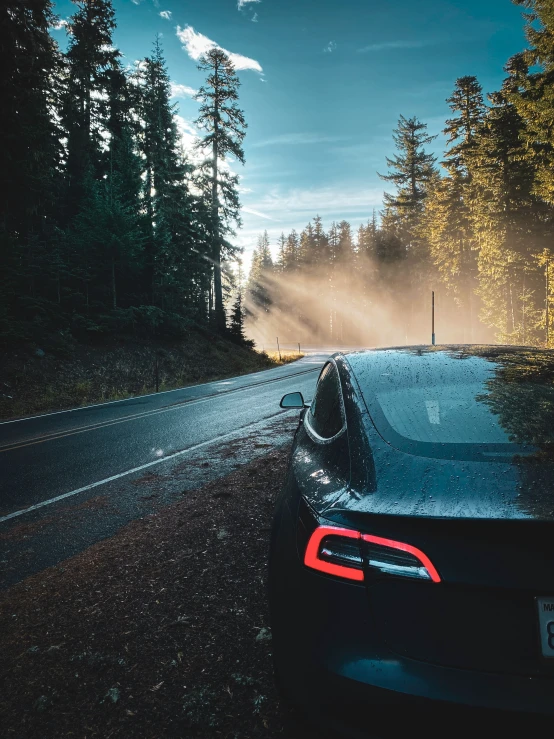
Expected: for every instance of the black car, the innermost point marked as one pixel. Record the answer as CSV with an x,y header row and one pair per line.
x,y
412,550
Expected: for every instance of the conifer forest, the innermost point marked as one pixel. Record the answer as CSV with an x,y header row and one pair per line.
x,y
108,226
476,226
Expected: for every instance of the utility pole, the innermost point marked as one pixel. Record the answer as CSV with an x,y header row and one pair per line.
x,y
433,318
278,349
547,307
523,305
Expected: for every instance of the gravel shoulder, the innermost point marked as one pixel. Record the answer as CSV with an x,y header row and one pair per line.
x,y
158,631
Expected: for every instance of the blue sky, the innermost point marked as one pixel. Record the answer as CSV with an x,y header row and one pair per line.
x,y
323,85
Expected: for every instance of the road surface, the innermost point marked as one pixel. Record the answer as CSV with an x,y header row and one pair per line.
x,y
70,478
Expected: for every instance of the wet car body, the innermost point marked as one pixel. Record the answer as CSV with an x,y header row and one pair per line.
x,y
457,623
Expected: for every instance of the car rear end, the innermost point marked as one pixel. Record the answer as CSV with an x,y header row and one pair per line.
x,y
376,602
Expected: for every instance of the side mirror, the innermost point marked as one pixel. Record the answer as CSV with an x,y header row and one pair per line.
x,y
292,400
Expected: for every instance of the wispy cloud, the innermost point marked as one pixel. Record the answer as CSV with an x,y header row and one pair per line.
x,y
338,201
196,44
188,135
331,46
254,18
166,14
383,46
242,3
58,25
253,212
181,91
288,139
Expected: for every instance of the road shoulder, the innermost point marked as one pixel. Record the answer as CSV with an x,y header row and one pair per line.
x,y
161,630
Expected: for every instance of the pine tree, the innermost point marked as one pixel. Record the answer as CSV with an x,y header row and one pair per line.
x,y
236,324
90,58
176,223
306,247
29,150
291,252
367,239
467,102
413,172
322,254
107,236
531,90
29,161
447,224
508,220
224,123
342,275
367,260
281,263
260,283
411,169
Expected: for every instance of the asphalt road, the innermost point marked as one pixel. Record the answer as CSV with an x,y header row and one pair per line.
x,y
50,457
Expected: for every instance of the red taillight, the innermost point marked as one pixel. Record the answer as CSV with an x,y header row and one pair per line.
x,y
338,552
409,549
313,557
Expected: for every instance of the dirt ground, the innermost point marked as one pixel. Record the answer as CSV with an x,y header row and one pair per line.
x,y
160,631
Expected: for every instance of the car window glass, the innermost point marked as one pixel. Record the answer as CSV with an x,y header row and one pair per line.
x,y
325,415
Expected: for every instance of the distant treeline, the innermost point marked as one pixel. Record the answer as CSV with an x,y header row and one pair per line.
x,y
480,232
105,225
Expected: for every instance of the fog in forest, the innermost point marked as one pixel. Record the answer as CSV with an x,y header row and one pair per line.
x,y
364,306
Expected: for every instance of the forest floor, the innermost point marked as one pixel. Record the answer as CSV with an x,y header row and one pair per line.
x,y
160,631
37,380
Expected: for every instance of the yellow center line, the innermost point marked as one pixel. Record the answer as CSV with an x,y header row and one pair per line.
x,y
55,435
96,426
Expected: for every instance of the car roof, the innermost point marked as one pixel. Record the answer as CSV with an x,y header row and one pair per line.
x,y
403,360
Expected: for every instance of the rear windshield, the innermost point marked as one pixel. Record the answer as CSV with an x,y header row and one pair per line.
x,y
442,414
460,404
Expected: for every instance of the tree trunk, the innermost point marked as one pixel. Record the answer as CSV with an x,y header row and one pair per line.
x,y
149,245
509,306
114,293
216,247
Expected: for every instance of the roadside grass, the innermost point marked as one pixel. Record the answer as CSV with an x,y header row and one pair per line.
x,y
285,358
34,382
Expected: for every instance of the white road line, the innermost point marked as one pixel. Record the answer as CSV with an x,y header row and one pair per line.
x,y
138,397
44,503
100,425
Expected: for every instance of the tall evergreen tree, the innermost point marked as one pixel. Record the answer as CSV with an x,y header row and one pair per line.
x,y
447,224
236,323
280,264
225,128
467,104
29,150
506,218
90,57
291,252
410,170
306,246
413,172
260,284
320,248
175,234
532,90
29,158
